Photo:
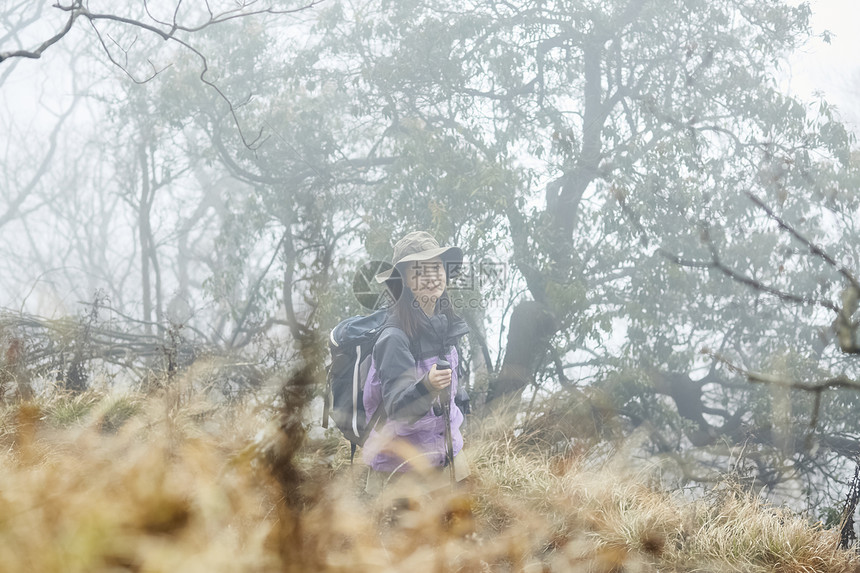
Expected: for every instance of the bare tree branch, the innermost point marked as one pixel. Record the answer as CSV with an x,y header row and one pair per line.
x,y
36,53
717,264
813,248
815,387
255,289
841,381
77,9
13,209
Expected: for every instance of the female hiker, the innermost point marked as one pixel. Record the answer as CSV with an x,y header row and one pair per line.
x,y
413,373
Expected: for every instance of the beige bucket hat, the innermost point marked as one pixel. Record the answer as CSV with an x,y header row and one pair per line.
x,y
421,246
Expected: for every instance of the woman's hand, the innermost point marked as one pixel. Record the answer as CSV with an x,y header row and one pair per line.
x,y
438,380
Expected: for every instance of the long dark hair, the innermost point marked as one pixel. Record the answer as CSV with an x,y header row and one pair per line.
x,y
405,307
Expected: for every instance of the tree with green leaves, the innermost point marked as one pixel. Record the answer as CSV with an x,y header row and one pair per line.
x,y
680,229
617,150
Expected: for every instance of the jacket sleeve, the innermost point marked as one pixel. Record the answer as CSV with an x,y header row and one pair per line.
x,y
404,395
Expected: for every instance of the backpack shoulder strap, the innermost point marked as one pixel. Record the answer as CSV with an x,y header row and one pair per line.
x,y
375,420
379,414
460,369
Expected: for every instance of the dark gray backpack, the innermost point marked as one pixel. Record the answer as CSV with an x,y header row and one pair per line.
x,y
351,346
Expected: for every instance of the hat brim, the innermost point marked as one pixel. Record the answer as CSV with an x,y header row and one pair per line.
x,y
448,255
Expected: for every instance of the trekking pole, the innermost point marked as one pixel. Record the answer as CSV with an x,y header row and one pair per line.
x,y
445,402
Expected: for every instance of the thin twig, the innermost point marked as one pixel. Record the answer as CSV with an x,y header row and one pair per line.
x,y
717,264
813,248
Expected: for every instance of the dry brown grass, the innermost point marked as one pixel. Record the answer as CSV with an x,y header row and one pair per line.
x,y
158,495
108,483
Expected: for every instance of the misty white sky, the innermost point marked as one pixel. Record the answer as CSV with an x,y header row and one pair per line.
x,y
833,69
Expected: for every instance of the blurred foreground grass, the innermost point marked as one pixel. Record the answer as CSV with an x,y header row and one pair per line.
x,y
101,482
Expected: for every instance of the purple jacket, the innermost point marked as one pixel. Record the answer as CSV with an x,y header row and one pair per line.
x,y
394,381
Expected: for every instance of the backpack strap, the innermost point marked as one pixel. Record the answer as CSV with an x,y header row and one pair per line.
x,y
461,370
377,418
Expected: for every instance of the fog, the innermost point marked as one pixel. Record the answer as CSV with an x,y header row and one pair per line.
x,y
657,201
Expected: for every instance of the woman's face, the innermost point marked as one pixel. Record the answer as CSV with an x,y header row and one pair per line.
x,y
426,279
